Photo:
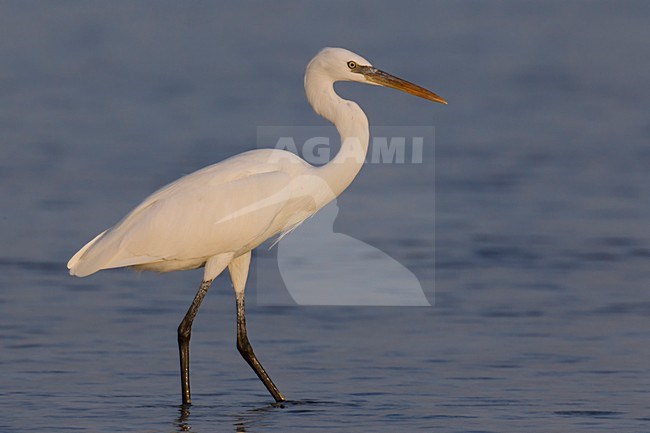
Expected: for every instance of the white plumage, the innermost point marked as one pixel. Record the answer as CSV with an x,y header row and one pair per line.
x,y
228,207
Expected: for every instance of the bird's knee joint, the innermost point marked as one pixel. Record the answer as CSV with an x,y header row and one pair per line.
x,y
244,348
184,333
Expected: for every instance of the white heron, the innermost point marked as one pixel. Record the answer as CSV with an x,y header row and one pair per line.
x,y
215,216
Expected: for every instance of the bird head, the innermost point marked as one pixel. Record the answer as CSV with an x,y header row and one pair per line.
x,y
339,64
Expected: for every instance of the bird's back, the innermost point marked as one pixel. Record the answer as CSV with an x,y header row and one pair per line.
x,y
231,206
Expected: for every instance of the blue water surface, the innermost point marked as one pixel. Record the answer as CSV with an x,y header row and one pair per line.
x,y
527,226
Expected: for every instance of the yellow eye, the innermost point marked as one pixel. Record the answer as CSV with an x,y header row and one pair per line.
x,y
352,64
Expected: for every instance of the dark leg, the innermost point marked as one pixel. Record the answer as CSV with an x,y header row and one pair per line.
x,y
184,334
244,347
238,274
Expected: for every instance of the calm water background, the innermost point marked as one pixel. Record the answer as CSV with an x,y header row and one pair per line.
x,y
542,248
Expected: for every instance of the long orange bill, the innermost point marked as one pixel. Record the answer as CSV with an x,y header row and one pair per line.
x,y
381,78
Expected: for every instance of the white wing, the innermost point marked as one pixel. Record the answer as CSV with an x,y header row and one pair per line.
x,y
231,206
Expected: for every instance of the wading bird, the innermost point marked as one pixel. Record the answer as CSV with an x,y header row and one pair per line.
x,y
214,217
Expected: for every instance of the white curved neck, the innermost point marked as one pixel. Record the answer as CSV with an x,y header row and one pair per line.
x,y
352,125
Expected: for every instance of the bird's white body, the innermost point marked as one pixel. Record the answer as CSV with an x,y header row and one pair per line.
x,y
214,217
229,208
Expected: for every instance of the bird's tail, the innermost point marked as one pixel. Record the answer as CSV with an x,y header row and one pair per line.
x,y
80,267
